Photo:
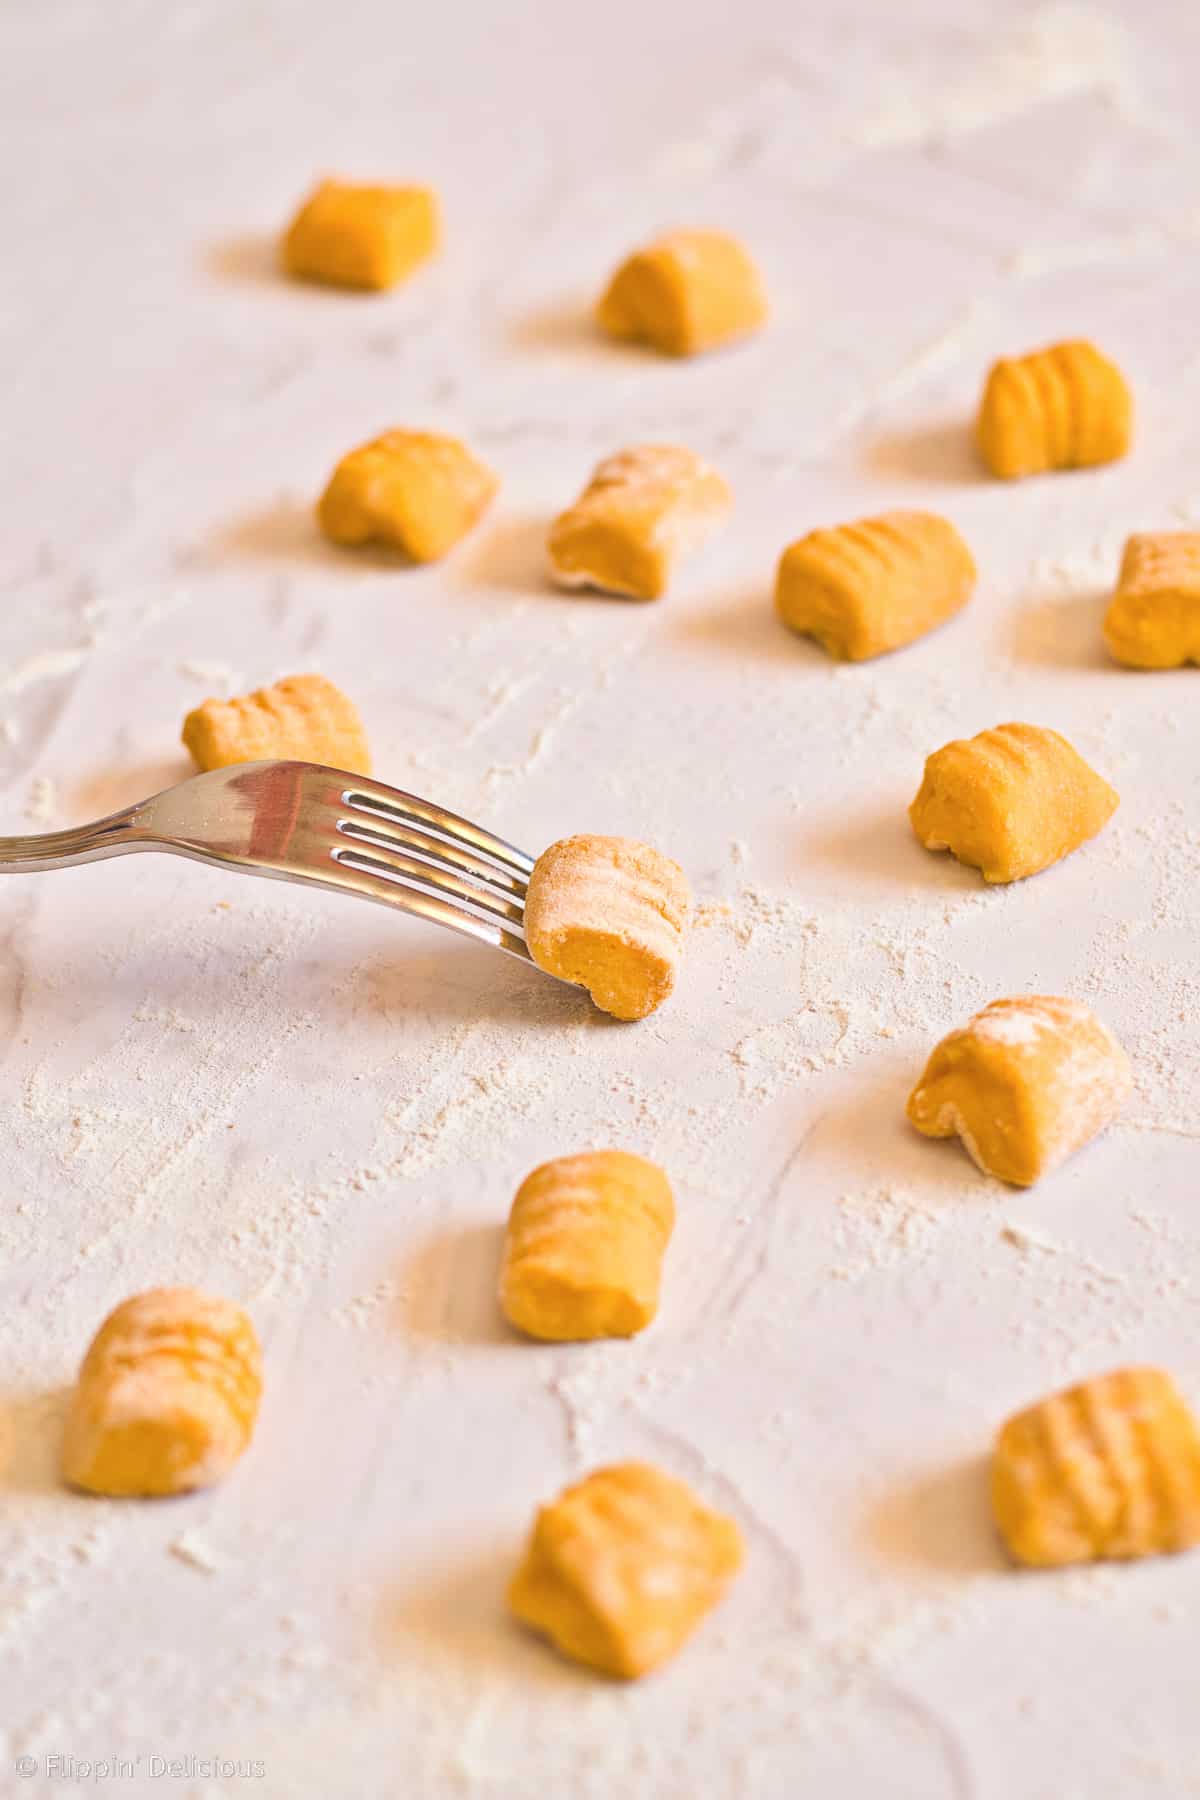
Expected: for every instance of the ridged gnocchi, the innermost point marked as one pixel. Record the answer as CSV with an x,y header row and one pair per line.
x,y
686,292
418,492
584,1248
1154,619
1010,801
609,914
869,587
1067,407
348,234
1023,1084
167,1396
643,511
303,718
1109,1469
621,1569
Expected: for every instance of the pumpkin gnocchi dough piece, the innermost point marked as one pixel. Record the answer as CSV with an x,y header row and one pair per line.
x,y
643,511
1154,619
686,292
584,1248
1107,1470
1023,1084
414,491
622,1567
302,717
1067,407
167,1396
348,234
869,587
1011,801
609,914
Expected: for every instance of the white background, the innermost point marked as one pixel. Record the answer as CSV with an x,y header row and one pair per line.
x,y
323,1110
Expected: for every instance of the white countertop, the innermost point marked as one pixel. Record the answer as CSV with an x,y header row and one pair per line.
x,y
323,1111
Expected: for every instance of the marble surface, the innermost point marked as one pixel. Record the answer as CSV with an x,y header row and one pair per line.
x,y
322,1110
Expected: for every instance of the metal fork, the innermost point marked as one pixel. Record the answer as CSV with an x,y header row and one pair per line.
x,y
295,821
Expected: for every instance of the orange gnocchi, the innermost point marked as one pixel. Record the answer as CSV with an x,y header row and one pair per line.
x,y
1067,407
867,588
302,717
687,292
584,1247
413,491
1109,1469
1011,801
642,512
609,914
621,1569
350,235
167,1396
1154,619
1023,1084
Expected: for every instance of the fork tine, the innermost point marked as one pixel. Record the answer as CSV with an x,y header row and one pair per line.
x,y
408,809
394,866
383,834
394,891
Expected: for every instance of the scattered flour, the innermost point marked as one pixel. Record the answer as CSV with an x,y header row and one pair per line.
x,y
47,665
212,674
191,1548
816,1037
42,804
880,1227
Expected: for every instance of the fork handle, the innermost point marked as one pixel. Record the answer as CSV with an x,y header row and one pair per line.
x,y
114,836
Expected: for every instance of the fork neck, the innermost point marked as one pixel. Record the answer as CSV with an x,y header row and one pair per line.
x,y
119,832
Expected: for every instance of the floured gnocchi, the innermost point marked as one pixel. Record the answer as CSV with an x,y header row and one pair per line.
x,y
418,492
1110,1469
1154,619
1011,801
622,1568
351,234
687,292
1068,407
1023,1084
867,588
584,1247
643,511
167,1396
302,717
609,914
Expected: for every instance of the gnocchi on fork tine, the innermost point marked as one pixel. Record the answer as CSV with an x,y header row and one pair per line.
x,y
300,821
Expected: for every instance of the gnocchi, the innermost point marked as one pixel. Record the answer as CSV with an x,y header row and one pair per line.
x,y
167,1396
584,1248
1154,619
1011,801
413,491
350,235
687,292
1109,1469
867,588
609,914
302,717
1067,407
621,1569
642,511
1023,1084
